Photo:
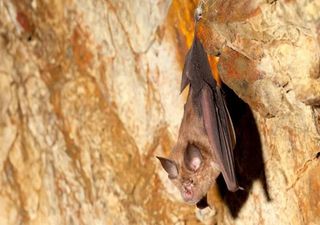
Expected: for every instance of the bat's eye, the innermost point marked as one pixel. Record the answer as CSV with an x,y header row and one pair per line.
x,y
192,158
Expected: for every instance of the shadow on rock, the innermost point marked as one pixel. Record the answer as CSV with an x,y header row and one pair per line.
x,y
247,153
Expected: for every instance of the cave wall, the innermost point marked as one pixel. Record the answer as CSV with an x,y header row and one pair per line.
x,y
270,57
89,94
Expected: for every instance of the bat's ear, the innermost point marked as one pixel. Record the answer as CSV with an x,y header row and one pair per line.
x,y
192,158
169,166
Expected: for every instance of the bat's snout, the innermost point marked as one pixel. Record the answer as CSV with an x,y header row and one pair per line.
x,y
187,195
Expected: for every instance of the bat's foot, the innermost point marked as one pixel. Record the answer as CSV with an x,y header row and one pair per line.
x,y
241,188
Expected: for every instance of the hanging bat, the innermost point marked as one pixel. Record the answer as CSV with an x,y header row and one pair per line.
x,y
206,136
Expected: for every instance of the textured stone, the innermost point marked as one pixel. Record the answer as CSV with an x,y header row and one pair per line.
x,y
270,55
89,94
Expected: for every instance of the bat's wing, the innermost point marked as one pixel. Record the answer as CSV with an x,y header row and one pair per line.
x,y
220,132
187,70
224,110
208,99
196,70
227,139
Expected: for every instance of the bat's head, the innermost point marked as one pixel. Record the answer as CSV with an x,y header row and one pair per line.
x,y
191,166
191,174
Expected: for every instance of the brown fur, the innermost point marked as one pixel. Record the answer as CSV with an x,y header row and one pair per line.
x,y
206,136
192,131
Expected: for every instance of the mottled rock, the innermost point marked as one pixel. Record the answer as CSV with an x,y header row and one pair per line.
x,y
270,55
89,94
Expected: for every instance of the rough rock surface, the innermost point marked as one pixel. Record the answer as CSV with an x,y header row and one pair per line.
x,y
270,57
89,94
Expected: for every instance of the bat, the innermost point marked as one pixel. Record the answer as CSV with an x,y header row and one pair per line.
x,y
206,135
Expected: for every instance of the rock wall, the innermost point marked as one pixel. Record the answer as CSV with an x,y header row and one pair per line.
x,y
270,57
89,94
89,91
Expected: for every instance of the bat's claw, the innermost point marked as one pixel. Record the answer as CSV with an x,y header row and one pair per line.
x,y
241,188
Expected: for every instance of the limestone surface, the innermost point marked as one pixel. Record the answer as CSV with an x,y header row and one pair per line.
x,y
89,95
